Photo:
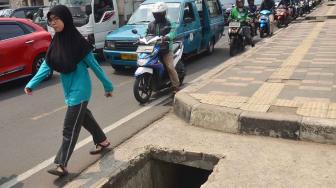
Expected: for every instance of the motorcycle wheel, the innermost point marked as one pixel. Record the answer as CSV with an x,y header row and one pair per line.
x,y
142,88
232,47
261,33
181,71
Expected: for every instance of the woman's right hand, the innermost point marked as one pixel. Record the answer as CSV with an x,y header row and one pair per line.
x,y
28,91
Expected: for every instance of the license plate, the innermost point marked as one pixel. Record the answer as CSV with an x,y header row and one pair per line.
x,y
129,56
234,24
145,49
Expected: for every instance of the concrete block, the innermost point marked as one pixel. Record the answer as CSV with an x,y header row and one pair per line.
x,y
183,104
216,118
318,130
270,124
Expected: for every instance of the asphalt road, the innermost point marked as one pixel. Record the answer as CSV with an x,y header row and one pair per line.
x,y
31,126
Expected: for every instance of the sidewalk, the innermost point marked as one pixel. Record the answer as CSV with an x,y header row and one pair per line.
x,y
244,161
325,11
285,87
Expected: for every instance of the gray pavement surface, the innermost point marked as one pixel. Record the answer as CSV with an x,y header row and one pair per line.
x,y
244,161
285,87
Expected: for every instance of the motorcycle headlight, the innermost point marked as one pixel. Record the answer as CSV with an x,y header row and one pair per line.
x,y
142,62
109,44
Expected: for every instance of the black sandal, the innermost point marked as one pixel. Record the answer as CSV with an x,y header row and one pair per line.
x,y
100,148
58,171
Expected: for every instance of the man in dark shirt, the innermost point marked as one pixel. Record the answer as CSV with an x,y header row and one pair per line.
x,y
269,5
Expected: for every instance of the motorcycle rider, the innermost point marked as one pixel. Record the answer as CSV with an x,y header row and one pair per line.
x,y
251,6
161,26
269,5
253,10
240,13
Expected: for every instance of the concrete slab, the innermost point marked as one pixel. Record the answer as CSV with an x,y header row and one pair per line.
x,y
248,161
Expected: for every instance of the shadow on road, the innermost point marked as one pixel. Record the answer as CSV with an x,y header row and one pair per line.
x,y
3,180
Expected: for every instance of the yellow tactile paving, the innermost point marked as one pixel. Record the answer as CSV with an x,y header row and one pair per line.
x,y
315,105
331,10
332,106
331,114
290,64
286,103
255,107
283,73
199,96
312,112
250,72
241,78
266,93
224,93
311,99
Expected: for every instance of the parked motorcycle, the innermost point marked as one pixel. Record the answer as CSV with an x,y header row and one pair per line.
x,y
151,74
281,15
264,23
237,36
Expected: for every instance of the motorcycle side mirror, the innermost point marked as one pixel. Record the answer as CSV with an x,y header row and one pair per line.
x,y
88,9
134,31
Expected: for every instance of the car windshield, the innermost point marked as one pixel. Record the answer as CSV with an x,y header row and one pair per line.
x,y
144,14
76,7
227,3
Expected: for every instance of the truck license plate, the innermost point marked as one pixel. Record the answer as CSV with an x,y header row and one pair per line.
x,y
129,56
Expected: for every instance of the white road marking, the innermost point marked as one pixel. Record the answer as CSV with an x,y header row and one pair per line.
x,y
48,113
82,143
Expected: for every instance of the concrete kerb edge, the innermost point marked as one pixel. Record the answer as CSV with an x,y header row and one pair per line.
x,y
318,130
270,124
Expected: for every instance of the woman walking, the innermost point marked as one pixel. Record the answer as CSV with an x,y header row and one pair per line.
x,y
71,55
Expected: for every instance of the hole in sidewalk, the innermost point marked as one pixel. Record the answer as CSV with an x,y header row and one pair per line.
x,y
165,169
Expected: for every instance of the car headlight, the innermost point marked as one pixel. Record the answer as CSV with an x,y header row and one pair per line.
x,y
109,44
142,62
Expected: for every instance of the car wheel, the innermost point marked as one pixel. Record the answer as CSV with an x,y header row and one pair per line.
x,y
37,64
211,47
118,68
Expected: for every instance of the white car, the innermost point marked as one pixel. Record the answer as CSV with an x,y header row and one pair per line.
x,y
6,12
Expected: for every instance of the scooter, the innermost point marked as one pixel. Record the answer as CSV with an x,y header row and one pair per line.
x,y
281,15
264,22
151,74
237,36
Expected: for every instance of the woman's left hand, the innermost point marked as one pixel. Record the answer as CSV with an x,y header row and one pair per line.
x,y
108,94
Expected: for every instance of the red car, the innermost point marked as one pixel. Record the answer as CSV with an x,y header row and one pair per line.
x,y
23,46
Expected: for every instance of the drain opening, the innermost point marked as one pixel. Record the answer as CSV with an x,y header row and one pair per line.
x,y
165,169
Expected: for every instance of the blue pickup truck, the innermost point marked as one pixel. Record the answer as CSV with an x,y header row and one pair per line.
x,y
199,24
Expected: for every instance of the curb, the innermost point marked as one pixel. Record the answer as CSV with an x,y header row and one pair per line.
x,y
236,121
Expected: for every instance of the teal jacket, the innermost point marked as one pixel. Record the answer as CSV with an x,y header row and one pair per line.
x,y
77,84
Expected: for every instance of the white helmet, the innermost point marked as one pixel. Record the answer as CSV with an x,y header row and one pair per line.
x,y
159,7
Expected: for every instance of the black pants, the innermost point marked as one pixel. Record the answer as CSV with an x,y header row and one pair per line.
x,y
76,117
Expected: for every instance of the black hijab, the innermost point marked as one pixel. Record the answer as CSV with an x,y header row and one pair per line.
x,y
68,47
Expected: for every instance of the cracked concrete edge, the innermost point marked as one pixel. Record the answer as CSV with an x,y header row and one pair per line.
x,y
138,159
318,130
270,124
